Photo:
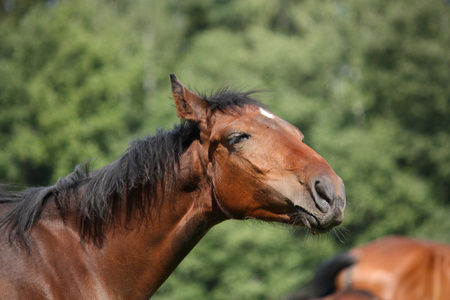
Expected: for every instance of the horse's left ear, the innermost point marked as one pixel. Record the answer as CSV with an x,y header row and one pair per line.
x,y
190,107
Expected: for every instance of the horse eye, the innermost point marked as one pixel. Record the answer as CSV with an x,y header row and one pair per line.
x,y
238,138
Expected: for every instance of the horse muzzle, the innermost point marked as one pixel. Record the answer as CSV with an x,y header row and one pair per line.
x,y
326,210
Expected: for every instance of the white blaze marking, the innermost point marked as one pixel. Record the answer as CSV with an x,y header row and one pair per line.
x,y
266,113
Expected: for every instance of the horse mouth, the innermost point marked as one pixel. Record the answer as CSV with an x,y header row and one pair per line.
x,y
302,217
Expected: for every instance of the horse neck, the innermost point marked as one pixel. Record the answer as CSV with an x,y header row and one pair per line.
x,y
142,258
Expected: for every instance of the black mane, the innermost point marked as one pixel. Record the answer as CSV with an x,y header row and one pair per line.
x,y
100,196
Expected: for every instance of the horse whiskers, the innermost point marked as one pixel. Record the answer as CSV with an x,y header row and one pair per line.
x,y
341,233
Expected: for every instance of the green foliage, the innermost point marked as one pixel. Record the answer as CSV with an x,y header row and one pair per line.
x,y
71,86
366,82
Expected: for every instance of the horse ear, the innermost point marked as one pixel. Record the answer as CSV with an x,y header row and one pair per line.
x,y
190,107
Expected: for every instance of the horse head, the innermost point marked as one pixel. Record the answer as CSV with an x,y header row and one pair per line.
x,y
258,165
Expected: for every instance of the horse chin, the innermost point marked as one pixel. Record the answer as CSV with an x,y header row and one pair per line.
x,y
304,218
270,217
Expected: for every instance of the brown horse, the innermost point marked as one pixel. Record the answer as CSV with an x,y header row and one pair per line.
x,y
392,268
118,232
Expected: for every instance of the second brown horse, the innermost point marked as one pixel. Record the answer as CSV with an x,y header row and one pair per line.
x,y
392,268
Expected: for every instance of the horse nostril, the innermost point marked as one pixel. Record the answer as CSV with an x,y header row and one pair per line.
x,y
323,192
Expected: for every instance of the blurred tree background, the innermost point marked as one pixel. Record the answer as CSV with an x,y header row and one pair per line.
x,y
366,81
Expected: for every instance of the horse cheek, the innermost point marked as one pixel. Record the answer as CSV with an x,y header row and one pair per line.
x,y
231,196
